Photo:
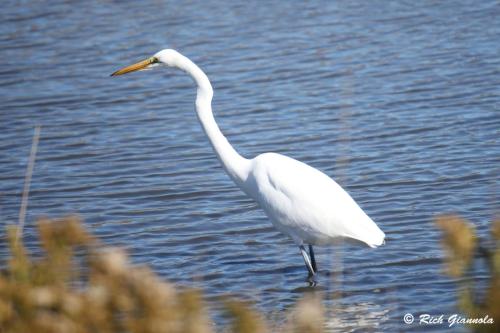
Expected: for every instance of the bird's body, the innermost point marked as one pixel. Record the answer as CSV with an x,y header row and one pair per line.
x,y
311,209
301,201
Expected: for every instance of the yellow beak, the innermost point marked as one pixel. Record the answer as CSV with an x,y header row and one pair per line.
x,y
136,67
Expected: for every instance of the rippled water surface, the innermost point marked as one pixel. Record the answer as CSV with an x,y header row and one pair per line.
x,y
398,101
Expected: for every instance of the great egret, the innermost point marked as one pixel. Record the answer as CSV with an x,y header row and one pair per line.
x,y
301,201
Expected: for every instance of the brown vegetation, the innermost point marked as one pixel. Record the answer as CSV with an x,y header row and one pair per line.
x,y
464,254
80,286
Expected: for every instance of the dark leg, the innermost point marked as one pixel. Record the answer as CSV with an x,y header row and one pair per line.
x,y
313,259
307,260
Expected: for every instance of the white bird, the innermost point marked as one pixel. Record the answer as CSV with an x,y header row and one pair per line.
x,y
301,201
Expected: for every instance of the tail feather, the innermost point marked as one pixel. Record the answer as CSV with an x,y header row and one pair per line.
x,y
370,234
376,239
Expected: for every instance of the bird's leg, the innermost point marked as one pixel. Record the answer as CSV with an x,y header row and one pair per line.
x,y
307,260
313,259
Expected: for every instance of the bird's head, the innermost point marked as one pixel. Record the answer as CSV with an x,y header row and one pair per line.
x,y
166,57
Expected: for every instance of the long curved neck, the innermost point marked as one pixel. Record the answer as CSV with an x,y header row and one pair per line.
x,y
235,165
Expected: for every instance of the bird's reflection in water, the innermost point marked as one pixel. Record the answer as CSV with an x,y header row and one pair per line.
x,y
361,317
340,316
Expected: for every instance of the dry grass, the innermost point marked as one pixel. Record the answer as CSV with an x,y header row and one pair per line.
x,y
464,254
80,286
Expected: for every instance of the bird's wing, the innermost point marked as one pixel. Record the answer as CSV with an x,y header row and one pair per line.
x,y
305,201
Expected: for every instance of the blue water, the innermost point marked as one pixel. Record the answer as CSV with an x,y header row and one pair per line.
x,y
397,101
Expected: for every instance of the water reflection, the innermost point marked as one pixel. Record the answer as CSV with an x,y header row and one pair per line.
x,y
360,317
397,101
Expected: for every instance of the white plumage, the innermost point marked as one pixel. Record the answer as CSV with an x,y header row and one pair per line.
x,y
301,201
306,204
